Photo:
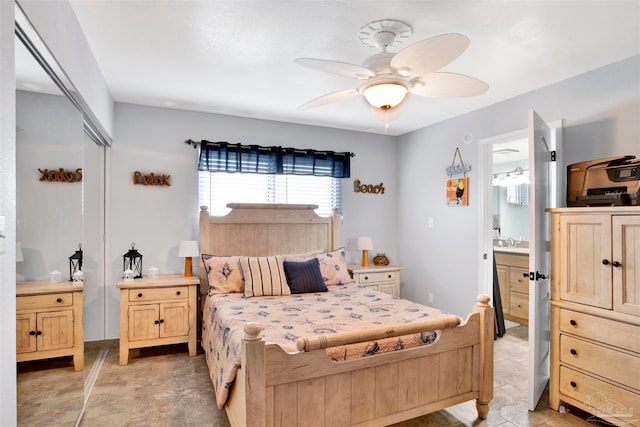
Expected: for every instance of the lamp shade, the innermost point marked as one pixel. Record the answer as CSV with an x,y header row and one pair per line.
x,y
365,243
188,248
385,95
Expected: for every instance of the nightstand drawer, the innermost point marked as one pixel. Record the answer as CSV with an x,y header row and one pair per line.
x,y
608,331
44,301
615,365
595,393
152,294
386,276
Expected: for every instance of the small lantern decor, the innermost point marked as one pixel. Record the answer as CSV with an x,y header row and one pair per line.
x,y
132,260
75,262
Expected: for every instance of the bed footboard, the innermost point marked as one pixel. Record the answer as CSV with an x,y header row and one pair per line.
x,y
308,388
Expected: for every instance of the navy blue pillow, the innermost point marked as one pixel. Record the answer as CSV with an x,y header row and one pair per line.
x,y
304,277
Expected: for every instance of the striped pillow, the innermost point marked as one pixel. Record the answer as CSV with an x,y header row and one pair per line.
x,y
264,276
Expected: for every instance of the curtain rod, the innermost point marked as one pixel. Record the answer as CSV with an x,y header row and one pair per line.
x,y
196,143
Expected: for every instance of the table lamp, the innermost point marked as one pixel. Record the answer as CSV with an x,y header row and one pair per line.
x,y
364,244
188,249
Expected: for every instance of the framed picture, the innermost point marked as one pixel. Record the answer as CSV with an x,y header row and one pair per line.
x,y
458,192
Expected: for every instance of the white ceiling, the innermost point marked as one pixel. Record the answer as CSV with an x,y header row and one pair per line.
x,y
237,57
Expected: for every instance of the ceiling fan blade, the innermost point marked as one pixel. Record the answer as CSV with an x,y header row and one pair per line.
x,y
335,67
449,85
328,99
430,55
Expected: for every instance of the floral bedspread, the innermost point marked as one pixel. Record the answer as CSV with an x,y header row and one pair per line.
x,y
285,319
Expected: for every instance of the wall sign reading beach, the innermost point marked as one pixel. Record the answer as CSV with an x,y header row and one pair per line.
x,y
358,187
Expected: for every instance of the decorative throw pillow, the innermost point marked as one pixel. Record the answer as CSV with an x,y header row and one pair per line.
x,y
304,276
333,266
223,274
264,276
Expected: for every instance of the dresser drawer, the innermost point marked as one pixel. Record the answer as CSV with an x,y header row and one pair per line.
x,y
599,395
152,294
519,305
31,302
608,331
377,277
615,365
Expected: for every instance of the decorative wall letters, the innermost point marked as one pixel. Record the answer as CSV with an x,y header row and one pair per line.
x,y
151,179
60,175
368,188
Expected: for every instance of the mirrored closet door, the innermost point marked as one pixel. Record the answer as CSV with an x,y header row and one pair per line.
x,y
59,229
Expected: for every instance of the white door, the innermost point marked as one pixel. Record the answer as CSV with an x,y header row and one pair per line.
x,y
540,148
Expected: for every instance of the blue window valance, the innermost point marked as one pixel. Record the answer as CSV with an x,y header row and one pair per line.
x,y
238,158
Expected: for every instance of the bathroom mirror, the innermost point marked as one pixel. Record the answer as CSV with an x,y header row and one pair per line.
x,y
59,210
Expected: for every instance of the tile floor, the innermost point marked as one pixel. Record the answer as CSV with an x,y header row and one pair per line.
x,y
166,387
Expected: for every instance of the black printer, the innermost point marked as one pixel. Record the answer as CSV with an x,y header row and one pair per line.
x,y
613,181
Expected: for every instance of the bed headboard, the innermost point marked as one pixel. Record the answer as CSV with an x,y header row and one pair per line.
x,y
267,229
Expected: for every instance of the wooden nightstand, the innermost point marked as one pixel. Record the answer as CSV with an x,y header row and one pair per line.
x,y
157,311
384,279
49,321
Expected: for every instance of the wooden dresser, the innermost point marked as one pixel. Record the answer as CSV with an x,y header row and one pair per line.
x,y
513,279
49,321
595,311
157,311
384,279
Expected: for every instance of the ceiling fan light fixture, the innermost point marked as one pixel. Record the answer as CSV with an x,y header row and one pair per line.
x,y
385,95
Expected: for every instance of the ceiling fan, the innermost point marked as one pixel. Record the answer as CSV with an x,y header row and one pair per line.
x,y
389,77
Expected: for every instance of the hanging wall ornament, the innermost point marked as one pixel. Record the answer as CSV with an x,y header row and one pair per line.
x,y
458,188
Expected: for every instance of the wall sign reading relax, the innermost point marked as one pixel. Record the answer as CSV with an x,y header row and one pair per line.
x,y
358,187
60,175
151,179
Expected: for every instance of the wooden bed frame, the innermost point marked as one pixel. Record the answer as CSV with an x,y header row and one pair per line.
x,y
275,388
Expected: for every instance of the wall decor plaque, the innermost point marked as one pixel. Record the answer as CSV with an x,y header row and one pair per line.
x,y
140,178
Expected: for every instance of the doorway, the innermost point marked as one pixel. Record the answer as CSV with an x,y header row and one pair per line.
x,y
544,143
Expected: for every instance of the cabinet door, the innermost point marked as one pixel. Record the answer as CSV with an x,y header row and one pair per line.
x,y
626,262
26,333
174,319
585,259
144,322
503,284
387,288
54,330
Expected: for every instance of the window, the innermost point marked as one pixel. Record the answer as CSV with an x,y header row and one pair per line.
x,y
236,173
518,194
216,189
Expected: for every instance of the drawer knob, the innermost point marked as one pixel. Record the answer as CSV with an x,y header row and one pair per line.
x,y
140,295
573,384
389,276
605,262
178,293
161,320
616,264
32,333
366,277
573,322
59,300
157,322
573,351
39,333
